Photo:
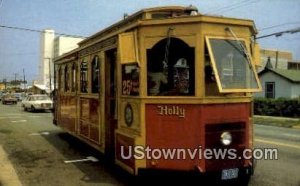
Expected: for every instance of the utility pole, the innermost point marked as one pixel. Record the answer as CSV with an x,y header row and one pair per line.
x,y
4,81
276,64
24,80
50,79
15,80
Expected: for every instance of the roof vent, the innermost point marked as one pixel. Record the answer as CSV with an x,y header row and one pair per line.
x,y
192,10
125,15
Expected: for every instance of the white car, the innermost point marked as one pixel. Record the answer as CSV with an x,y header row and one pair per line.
x,y
37,102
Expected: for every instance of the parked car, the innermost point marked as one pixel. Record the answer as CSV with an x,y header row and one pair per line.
x,y
37,102
2,94
19,96
9,98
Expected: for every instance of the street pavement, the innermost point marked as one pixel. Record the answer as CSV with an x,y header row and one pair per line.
x,y
285,170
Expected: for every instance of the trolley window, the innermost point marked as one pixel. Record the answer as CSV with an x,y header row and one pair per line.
x,y
232,66
170,68
84,76
66,79
73,77
95,75
60,79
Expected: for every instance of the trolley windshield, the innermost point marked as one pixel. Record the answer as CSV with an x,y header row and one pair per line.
x,y
232,67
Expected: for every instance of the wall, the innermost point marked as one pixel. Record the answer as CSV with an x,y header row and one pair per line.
x,y
283,87
2,86
296,90
282,58
65,44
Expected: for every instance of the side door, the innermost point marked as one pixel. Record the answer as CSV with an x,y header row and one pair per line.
x,y
110,101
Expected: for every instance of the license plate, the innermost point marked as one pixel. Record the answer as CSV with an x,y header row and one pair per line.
x,y
228,174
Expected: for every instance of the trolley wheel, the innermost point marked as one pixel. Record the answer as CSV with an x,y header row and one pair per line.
x,y
244,180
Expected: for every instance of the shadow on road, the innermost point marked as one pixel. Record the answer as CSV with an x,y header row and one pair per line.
x,y
106,171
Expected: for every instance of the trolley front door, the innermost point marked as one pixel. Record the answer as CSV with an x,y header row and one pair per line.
x,y
110,101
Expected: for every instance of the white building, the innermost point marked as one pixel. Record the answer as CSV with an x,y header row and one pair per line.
x,y
46,56
63,44
50,48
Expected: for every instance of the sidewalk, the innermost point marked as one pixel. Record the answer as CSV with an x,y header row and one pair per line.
x,y
8,175
277,121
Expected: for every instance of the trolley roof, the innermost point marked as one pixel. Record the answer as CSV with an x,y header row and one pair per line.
x,y
169,14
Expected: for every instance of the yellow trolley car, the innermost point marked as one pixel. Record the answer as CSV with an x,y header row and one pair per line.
x,y
160,88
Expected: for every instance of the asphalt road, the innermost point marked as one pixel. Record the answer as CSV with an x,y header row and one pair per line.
x,y
37,150
286,169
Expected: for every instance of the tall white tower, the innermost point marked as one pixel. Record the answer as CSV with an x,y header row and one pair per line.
x,y
46,60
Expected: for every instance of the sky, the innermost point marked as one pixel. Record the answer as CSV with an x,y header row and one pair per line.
x,y
20,49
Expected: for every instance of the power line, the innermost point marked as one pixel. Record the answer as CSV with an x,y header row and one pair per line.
x,y
39,31
237,6
278,34
226,7
283,24
233,6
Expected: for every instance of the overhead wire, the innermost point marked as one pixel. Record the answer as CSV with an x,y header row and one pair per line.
x,y
283,24
238,6
232,6
39,31
211,11
278,34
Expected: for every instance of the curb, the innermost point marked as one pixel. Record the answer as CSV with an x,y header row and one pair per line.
x,y
8,175
296,127
285,122
277,118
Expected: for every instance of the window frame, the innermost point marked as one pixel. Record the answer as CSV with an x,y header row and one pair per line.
x,y
273,89
82,79
215,69
73,77
58,77
66,78
95,71
61,79
189,55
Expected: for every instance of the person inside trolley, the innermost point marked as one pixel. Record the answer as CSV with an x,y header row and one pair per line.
x,y
155,81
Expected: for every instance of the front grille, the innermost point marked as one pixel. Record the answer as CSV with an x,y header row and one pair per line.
x,y
46,105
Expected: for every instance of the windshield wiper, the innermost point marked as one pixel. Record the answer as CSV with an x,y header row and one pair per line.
x,y
244,50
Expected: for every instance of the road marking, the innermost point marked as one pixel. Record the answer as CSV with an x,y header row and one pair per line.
x,y
39,134
291,135
46,116
19,121
9,117
8,175
89,158
277,143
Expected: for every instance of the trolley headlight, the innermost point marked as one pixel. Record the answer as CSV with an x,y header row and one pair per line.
x,y
226,138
